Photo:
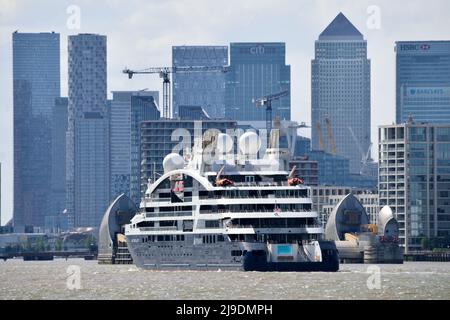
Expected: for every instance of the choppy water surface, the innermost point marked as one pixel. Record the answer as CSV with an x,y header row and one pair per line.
x,y
49,280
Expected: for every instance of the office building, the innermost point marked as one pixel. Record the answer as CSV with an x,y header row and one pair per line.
x,y
340,93
58,218
143,108
333,170
192,113
306,170
88,132
36,85
302,146
128,109
423,81
204,89
414,179
257,70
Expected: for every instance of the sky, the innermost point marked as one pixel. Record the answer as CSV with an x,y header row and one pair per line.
x,y
141,34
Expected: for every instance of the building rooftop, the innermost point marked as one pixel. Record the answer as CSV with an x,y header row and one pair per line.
x,y
340,28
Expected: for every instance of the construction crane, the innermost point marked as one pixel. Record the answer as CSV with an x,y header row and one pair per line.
x,y
266,102
330,136
164,73
365,156
319,132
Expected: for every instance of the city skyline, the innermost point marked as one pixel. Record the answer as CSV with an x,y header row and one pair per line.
x,y
421,23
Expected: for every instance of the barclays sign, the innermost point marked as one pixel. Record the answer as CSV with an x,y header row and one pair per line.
x,y
418,92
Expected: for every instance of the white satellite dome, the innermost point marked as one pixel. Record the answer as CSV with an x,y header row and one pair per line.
x,y
173,161
249,143
224,143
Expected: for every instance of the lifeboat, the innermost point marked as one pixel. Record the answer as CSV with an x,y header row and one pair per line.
x,y
295,181
224,182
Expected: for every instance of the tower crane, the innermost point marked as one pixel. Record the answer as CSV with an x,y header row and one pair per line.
x,y
266,102
331,136
164,73
365,156
319,133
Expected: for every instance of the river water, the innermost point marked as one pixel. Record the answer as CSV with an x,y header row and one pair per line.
x,y
80,279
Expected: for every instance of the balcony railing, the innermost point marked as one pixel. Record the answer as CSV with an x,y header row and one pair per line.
x,y
170,228
169,214
254,211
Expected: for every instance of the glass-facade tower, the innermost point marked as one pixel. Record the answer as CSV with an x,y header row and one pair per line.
x,y
87,153
36,85
257,70
423,81
340,93
204,89
128,110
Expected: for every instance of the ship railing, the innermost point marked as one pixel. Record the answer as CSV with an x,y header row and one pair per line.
x,y
185,199
168,228
250,197
239,226
169,214
254,211
302,226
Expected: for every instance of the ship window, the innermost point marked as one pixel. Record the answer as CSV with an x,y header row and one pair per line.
x,y
160,238
220,238
249,178
211,223
236,253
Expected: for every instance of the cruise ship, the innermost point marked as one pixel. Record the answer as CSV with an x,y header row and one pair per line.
x,y
213,210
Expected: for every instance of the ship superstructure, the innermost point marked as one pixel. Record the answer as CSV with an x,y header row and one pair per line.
x,y
215,210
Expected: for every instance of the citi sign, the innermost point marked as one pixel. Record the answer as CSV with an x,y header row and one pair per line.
x,y
257,50
415,47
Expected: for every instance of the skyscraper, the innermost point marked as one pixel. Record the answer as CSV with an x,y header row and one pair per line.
x,y
36,81
423,81
204,89
88,131
340,97
128,110
59,130
257,70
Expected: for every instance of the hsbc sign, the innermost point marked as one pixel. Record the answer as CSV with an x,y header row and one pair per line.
x,y
415,47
